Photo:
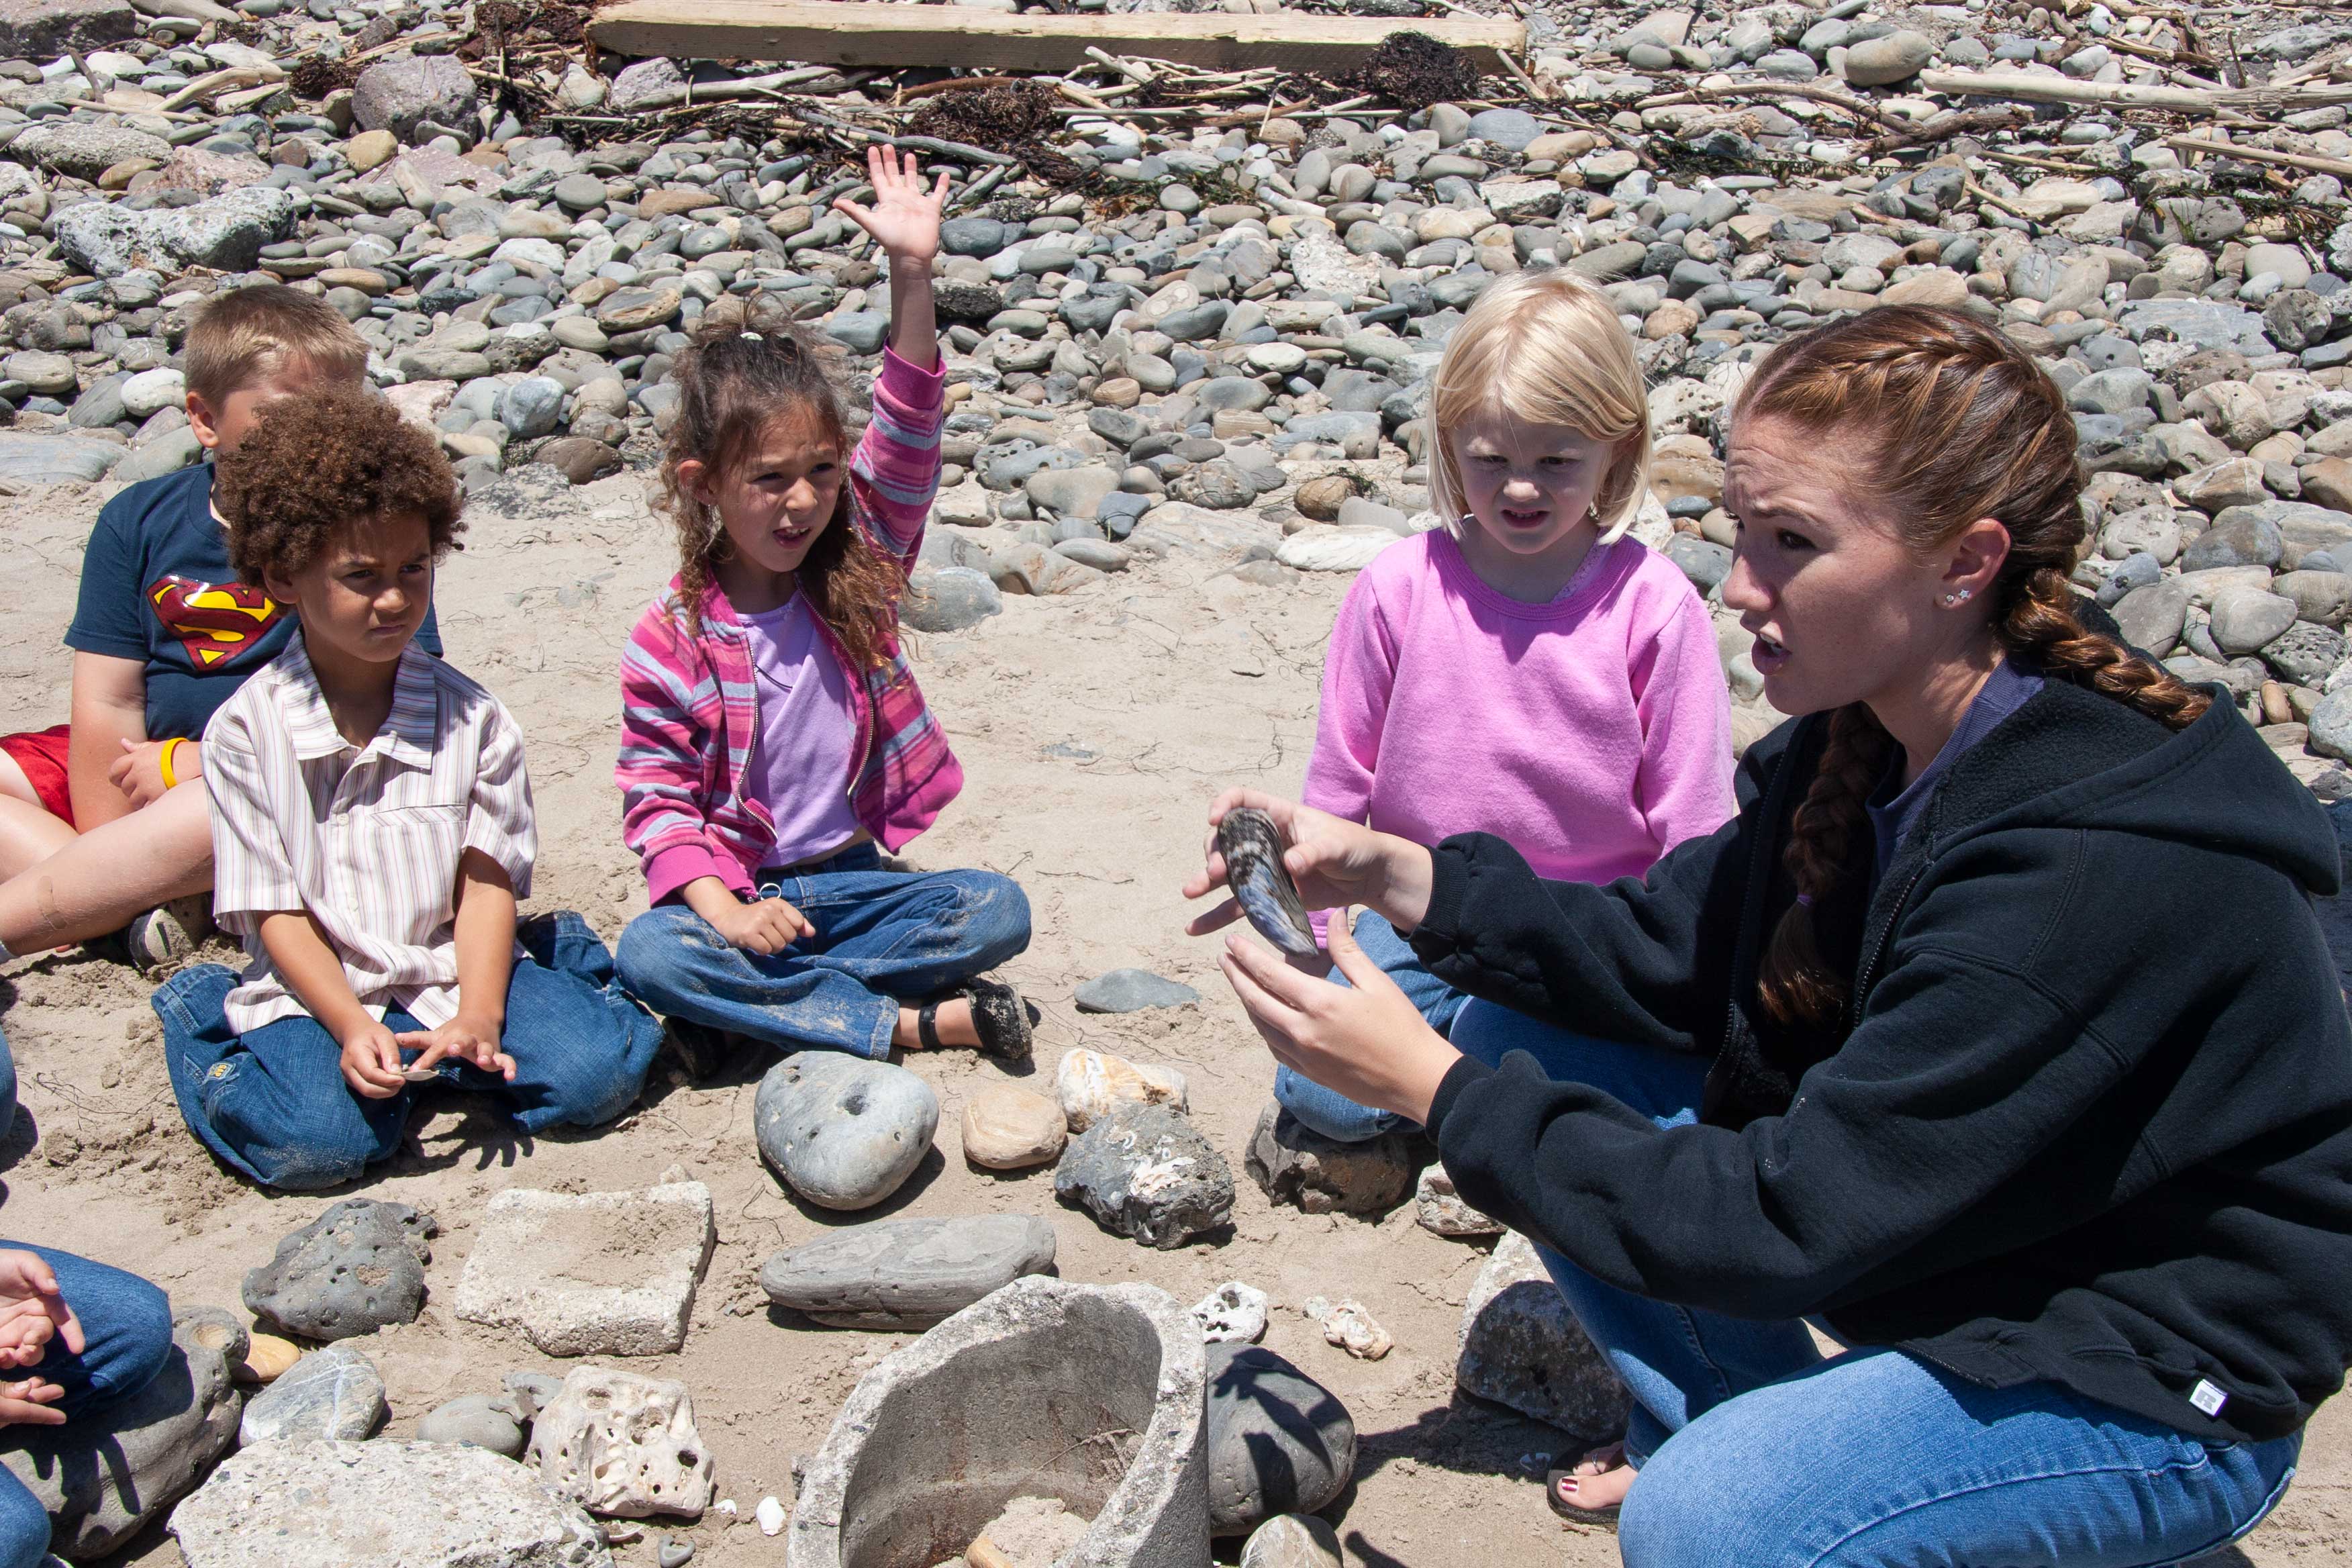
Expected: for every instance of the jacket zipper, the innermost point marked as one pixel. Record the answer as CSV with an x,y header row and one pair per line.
x,y
1878,948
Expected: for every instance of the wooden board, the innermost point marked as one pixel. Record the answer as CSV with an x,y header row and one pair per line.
x,y
856,33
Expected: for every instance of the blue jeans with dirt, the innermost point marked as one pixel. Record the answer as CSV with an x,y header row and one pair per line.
x,y
272,1104
1331,1113
1755,1448
883,937
126,1326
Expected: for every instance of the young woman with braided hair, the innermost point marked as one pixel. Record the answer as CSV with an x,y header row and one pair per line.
x,y
1913,1048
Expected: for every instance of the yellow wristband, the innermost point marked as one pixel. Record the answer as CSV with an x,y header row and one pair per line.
x,y
163,762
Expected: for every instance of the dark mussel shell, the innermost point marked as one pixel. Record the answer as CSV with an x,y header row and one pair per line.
x,y
1253,847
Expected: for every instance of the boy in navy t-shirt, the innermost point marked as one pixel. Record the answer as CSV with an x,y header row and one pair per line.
x,y
103,821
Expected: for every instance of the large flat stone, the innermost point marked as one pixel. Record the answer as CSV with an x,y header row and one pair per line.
x,y
594,1274
380,1505
30,459
907,1273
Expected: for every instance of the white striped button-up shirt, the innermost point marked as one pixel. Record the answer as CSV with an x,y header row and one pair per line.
x,y
366,838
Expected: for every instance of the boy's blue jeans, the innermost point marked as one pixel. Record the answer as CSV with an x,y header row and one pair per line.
x,y
127,1329
881,937
1755,1449
1333,1114
274,1106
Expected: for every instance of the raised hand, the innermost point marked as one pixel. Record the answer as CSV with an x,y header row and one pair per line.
x,y
905,218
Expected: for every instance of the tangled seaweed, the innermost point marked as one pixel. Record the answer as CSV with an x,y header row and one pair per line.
x,y
994,117
1415,70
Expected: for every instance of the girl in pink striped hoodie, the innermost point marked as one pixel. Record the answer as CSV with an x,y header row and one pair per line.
x,y
773,742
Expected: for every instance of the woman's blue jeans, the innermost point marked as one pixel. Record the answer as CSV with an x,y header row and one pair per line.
x,y
127,1330
274,1106
881,937
1331,1113
1756,1450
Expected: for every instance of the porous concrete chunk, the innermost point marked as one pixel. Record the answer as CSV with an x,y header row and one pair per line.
x,y
623,1446
355,1268
380,1505
102,1480
336,1394
1522,1347
594,1274
907,1273
1111,1419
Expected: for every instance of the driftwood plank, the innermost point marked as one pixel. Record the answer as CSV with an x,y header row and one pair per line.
x,y
854,33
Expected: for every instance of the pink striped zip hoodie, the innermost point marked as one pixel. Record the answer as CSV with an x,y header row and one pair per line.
x,y
690,712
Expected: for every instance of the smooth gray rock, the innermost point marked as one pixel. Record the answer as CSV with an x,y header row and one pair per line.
x,y
99,405
335,1394
1132,991
2243,539
949,599
166,454
1279,1442
1883,61
353,1270
103,1480
1196,323
907,1273
2246,622
50,374
485,1420
1071,492
531,1392
1146,1172
2151,617
646,83
859,332
1508,128
225,232
2331,726
31,459
1522,1347
973,235
397,95
1703,561
843,1131
1293,1163
532,406
84,151
44,29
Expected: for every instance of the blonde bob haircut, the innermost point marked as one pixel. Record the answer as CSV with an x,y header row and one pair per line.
x,y
1546,347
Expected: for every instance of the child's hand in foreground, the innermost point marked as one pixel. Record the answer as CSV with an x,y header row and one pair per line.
x,y
1365,1039
371,1061
763,925
474,1040
905,218
138,772
32,1311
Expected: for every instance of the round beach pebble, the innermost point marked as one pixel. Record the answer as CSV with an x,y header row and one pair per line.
x,y
1009,1129
844,1133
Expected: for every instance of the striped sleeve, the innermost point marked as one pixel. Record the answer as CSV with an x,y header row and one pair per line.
x,y
251,793
498,820
896,469
660,767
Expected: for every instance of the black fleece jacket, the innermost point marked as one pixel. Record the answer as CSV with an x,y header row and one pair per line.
x,y
2088,1116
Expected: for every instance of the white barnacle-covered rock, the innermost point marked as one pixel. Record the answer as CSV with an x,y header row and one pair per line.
x,y
623,1446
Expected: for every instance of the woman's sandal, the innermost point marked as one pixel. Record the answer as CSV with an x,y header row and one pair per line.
x,y
1606,1458
999,1015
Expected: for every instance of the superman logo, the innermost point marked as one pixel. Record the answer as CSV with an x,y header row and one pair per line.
x,y
214,623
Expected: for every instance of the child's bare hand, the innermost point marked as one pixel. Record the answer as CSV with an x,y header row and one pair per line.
x,y
371,1061
466,1039
32,1311
905,218
31,1403
763,925
138,772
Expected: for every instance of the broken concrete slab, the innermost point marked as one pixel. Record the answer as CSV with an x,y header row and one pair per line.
x,y
592,1274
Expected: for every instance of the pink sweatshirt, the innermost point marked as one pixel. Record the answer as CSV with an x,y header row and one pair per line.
x,y
1591,733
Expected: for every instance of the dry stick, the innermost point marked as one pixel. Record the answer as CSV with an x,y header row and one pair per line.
x,y
1994,202
2032,88
1943,127
1853,106
2310,162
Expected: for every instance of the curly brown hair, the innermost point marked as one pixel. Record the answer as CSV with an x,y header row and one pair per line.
x,y
1959,423
745,369
315,465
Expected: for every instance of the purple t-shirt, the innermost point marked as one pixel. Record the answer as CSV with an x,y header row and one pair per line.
x,y
800,768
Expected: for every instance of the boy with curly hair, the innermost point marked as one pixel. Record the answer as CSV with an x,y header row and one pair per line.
x,y
103,821
372,831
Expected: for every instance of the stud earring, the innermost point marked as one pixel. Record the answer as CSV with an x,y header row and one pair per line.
x,y
1961,597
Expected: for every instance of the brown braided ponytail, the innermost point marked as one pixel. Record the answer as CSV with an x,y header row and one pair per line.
x,y
1958,423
